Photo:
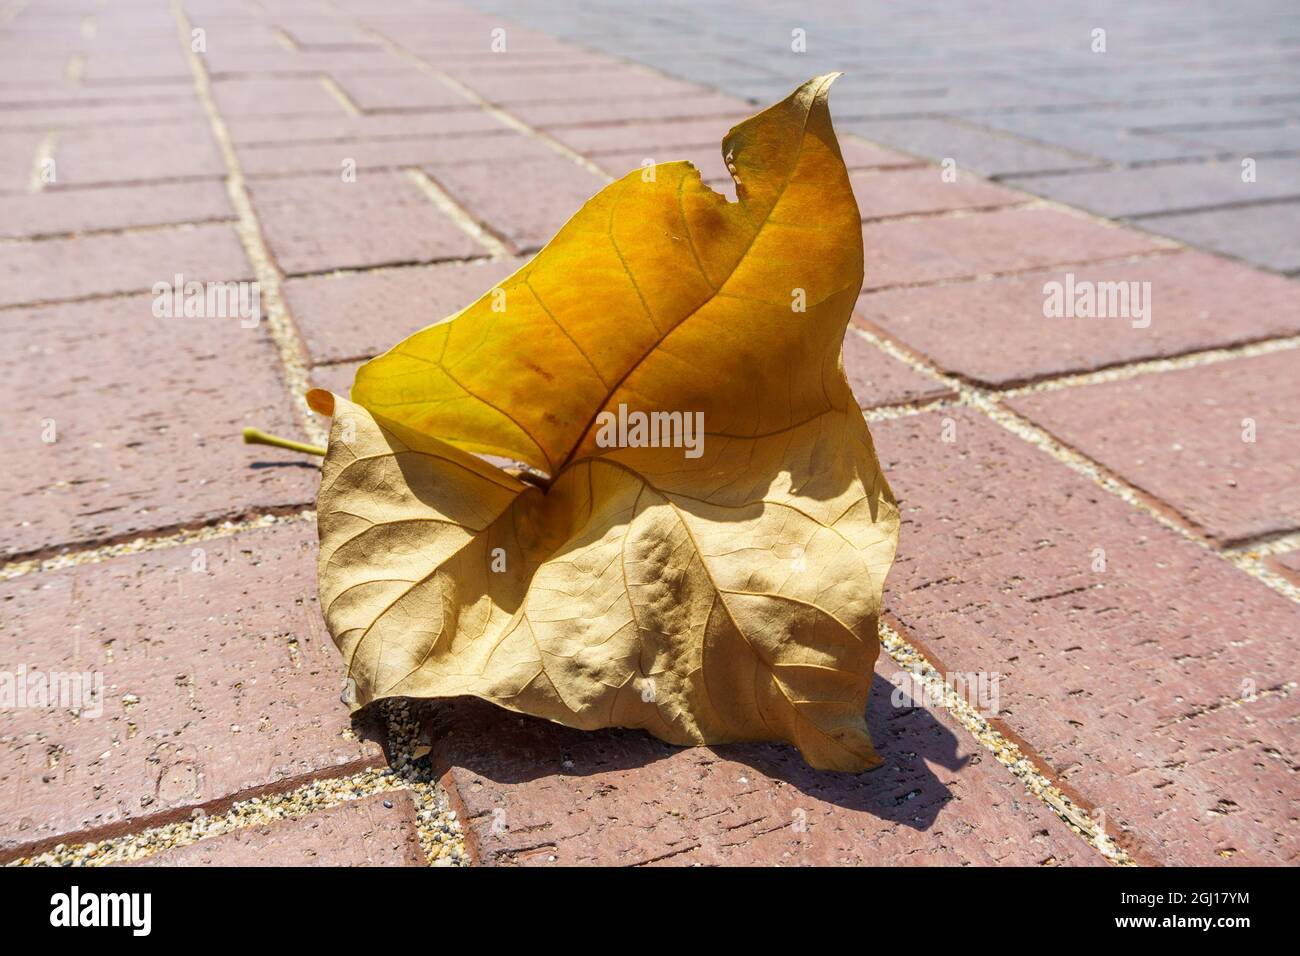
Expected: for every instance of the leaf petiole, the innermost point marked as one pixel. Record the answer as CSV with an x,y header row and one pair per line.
x,y
255,436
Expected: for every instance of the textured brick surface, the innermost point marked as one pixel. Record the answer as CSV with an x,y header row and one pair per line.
x,y
528,206
1110,675
1156,189
1182,437
320,223
405,90
372,831
56,212
498,147
362,314
907,192
127,457
1268,235
138,154
983,151
99,117
614,83
928,250
58,269
532,794
552,115
277,96
294,130
215,683
1099,135
994,332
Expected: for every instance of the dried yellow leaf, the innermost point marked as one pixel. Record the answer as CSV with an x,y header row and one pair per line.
x,y
708,561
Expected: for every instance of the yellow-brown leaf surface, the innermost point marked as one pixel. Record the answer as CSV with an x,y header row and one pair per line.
x,y
727,596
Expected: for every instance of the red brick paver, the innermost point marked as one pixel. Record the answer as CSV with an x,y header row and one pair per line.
x,y
218,679
60,212
907,192
1219,442
95,455
995,332
140,153
1116,638
101,265
321,223
960,247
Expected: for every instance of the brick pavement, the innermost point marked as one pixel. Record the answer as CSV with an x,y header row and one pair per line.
x,y
1151,119
1099,511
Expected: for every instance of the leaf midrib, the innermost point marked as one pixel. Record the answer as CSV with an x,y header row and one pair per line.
x,y
654,347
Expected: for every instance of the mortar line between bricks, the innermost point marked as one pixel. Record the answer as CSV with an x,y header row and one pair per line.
x,y
1222,156
988,403
1268,545
155,539
67,189
320,139
1006,751
1028,203
316,795
379,267
433,191
1138,217
339,94
1127,370
293,354
109,231
1027,270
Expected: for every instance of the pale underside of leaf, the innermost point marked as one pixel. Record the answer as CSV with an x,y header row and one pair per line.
x,y
614,603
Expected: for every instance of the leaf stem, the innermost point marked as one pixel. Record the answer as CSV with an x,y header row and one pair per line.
x,y
255,436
